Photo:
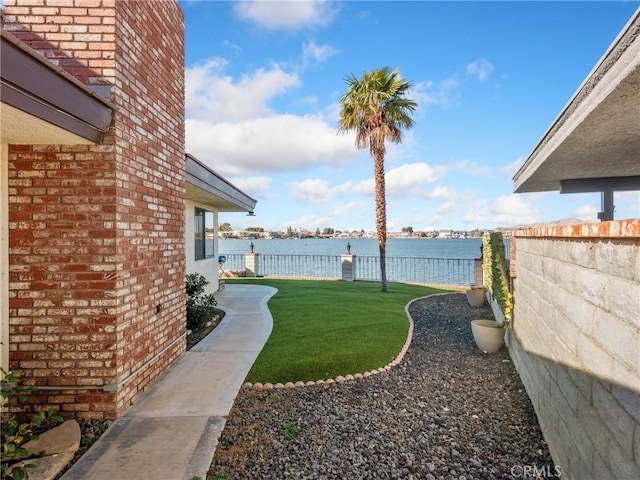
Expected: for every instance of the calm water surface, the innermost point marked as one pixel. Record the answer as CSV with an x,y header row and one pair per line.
x,y
463,248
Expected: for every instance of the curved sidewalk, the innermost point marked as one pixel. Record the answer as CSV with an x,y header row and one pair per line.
x,y
172,431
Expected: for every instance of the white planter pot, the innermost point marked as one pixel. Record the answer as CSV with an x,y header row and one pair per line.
x,y
488,334
475,297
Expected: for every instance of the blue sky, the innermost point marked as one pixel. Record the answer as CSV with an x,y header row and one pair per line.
x,y
264,79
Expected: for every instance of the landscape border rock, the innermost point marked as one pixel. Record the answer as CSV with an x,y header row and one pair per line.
x,y
59,445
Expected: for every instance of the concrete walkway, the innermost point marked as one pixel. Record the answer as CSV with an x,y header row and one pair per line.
x,y
172,431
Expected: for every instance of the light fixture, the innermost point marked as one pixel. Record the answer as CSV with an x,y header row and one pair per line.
x,y
251,214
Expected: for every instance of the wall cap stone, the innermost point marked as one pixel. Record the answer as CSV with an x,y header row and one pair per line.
x,y
629,228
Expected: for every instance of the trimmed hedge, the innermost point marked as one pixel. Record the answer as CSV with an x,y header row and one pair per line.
x,y
201,307
496,272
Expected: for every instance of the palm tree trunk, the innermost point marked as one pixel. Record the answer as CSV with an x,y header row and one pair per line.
x,y
383,268
381,214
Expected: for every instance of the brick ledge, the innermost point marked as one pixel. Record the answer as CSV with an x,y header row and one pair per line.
x,y
629,228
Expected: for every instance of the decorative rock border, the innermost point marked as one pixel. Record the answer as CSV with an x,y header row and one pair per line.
x,y
350,377
60,444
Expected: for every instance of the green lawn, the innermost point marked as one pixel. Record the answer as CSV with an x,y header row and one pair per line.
x,y
322,329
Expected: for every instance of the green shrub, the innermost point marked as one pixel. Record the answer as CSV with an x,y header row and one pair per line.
x,y
15,433
201,307
496,274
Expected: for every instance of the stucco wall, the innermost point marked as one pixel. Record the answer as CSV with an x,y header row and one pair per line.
x,y
576,342
207,267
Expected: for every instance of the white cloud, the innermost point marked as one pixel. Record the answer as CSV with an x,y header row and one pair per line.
x,y
347,209
215,96
286,15
446,208
627,205
365,187
232,46
507,210
255,187
441,94
511,169
399,180
315,191
230,126
278,143
473,169
441,192
317,53
586,213
332,112
311,100
629,196
446,92
481,69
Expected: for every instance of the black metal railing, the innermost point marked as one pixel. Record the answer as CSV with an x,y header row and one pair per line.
x,y
300,266
439,271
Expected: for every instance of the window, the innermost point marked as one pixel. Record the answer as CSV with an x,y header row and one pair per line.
x,y
204,234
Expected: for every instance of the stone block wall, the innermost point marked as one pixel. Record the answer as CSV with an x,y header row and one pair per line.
x,y
576,342
96,232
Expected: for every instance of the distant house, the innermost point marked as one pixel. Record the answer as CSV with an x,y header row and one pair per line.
x,y
576,328
98,202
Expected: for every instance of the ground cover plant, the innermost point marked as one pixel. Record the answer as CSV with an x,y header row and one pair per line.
x,y
322,329
17,432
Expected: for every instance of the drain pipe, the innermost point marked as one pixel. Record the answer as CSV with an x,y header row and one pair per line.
x,y
112,387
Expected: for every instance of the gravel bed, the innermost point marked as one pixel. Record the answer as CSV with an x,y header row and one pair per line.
x,y
447,411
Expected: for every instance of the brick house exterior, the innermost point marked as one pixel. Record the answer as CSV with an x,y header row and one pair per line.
x,y
96,231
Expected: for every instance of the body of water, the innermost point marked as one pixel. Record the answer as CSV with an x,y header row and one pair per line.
x,y
421,260
462,248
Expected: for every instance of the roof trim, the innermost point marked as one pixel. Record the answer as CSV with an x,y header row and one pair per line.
x,y
32,84
594,134
601,184
215,189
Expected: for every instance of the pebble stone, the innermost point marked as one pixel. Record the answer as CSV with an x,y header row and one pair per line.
x,y
446,411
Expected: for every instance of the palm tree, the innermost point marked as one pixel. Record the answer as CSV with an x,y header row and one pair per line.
x,y
376,108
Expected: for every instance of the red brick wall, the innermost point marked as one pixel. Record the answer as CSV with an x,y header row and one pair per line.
x,y
151,190
77,35
61,246
96,232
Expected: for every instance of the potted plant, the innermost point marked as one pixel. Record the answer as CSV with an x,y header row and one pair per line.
x,y
476,295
